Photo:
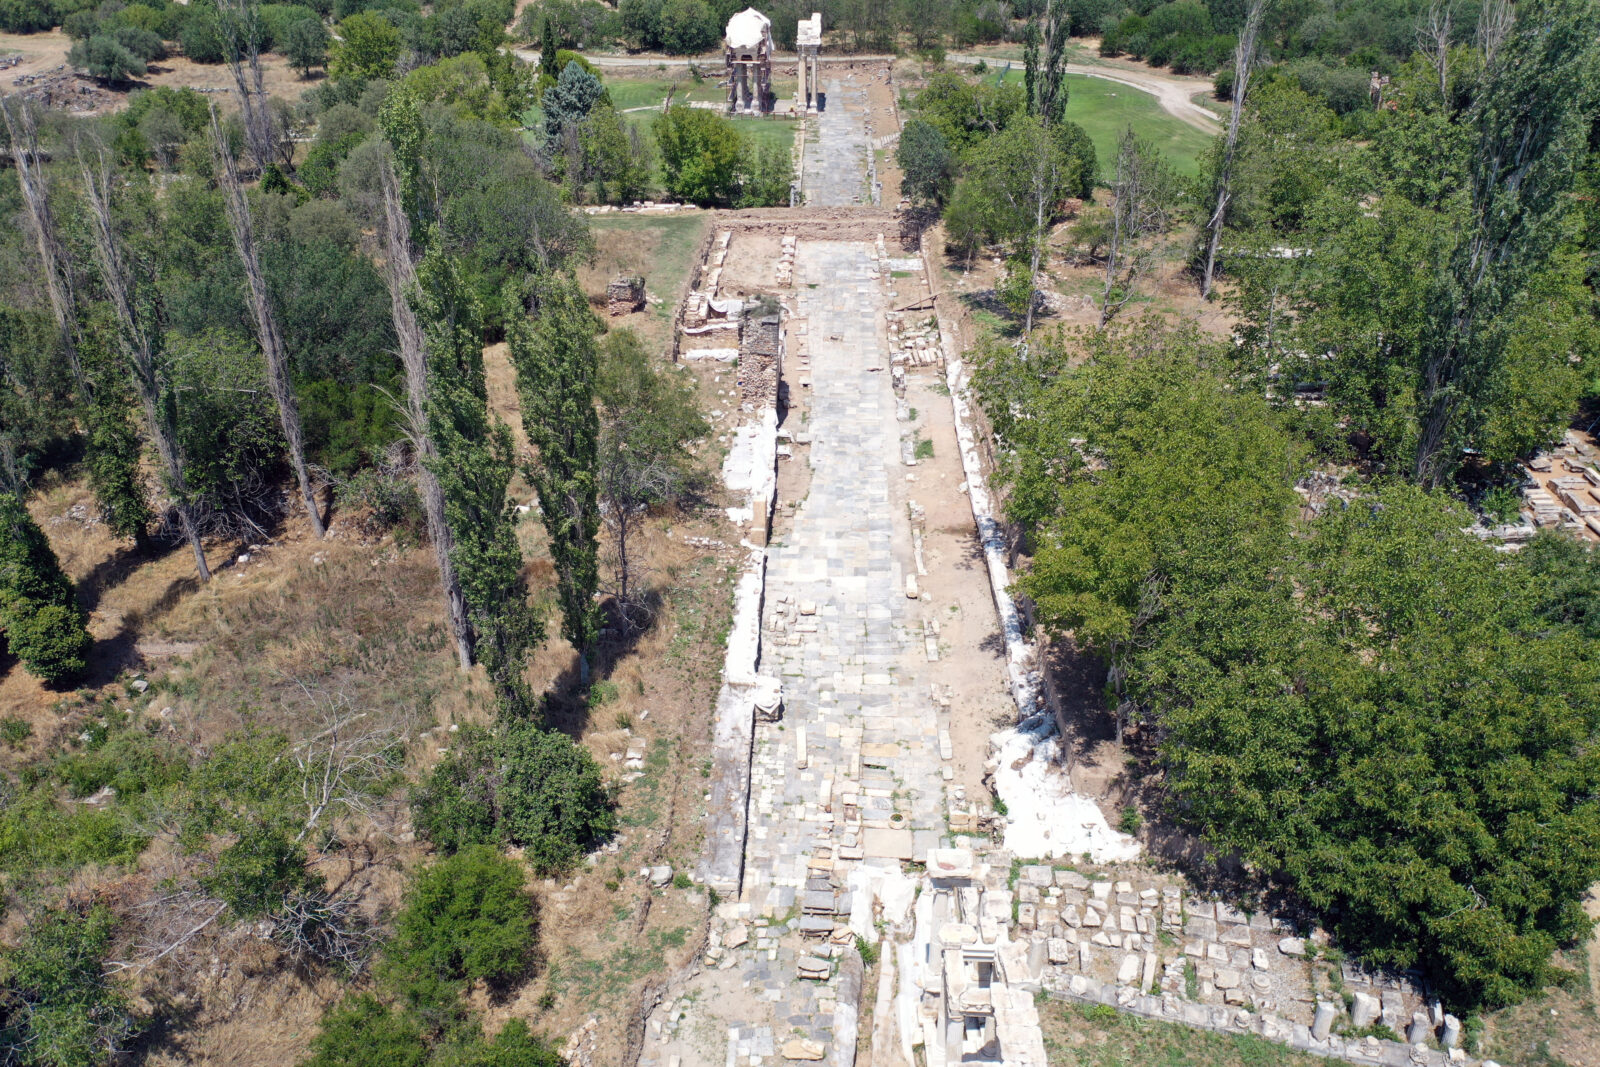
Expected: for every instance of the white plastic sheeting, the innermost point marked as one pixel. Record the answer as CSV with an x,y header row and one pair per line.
x,y
1044,817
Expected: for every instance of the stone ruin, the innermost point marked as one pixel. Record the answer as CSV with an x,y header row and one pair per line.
x,y
747,49
760,360
807,42
625,295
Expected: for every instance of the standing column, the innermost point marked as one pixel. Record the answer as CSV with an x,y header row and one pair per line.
x,y
802,98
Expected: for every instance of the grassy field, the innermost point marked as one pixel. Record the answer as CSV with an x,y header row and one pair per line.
x,y
660,247
1082,1036
644,92
1105,109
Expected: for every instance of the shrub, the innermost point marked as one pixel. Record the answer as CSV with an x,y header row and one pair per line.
x,y
39,611
465,918
361,1031
50,641
60,1008
102,57
455,806
253,875
553,801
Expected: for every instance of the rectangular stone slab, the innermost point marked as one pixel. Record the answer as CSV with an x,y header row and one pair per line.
x,y
881,843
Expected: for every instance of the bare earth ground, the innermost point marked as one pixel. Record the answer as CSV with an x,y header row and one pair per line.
x,y
44,52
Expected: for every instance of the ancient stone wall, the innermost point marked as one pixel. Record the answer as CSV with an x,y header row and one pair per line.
x,y
625,295
760,361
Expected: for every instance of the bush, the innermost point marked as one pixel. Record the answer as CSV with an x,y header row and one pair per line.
x,y
50,641
553,801
466,918
253,875
60,1009
102,57
39,611
361,1031
455,807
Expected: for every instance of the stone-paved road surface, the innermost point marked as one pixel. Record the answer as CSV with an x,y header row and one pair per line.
x,y
838,149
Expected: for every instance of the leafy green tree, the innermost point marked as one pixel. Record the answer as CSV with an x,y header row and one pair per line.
x,y
1566,578
700,155
556,361
44,626
306,45
553,800
1530,119
1178,479
1407,745
968,114
688,27
106,58
466,918
57,1007
367,48
927,166
648,418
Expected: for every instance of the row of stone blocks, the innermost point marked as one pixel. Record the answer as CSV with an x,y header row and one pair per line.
x,y
1317,1039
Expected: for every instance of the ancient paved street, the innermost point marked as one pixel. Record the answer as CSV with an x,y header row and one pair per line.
x,y
837,584
838,149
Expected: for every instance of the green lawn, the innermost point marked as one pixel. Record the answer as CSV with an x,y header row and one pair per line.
x,y
644,92
1105,109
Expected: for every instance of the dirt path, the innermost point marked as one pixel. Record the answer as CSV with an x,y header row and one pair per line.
x,y
1175,94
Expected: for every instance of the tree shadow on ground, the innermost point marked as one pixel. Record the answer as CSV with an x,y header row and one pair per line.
x,y
568,702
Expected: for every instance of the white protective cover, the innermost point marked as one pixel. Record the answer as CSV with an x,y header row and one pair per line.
x,y
747,30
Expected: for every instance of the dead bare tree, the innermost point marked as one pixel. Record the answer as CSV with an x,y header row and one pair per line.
x,y
1244,58
1144,197
341,764
241,25
401,276
1494,26
238,210
140,336
57,274
316,927
1433,41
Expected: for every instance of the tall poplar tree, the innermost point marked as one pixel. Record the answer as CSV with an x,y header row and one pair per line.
x,y
556,360
1529,119
472,463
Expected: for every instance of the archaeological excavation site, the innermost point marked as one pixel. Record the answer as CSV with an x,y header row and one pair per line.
x,y
670,533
